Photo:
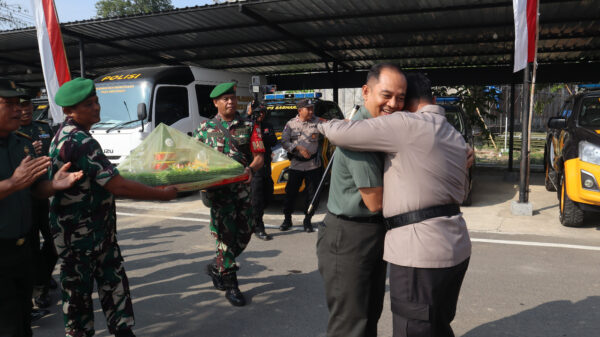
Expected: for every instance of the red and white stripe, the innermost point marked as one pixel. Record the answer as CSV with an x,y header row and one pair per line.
x,y
52,52
525,13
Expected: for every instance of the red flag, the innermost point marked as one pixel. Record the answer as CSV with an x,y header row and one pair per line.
x,y
525,14
52,52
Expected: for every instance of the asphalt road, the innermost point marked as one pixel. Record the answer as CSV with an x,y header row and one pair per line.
x,y
516,285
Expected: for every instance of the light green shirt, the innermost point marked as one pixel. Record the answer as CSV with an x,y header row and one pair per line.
x,y
350,171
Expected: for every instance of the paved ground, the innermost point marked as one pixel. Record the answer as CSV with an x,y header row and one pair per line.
x,y
528,276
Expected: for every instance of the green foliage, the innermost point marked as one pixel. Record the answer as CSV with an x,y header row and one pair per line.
x,y
473,98
112,8
13,16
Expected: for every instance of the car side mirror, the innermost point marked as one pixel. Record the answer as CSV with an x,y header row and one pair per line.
x,y
142,113
557,123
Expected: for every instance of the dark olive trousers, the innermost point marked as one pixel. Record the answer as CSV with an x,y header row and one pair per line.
x,y
16,285
351,263
424,299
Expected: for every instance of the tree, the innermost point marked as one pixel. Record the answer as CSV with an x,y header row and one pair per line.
x,y
13,16
112,8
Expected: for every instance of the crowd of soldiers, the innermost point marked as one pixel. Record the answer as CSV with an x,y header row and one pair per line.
x,y
391,200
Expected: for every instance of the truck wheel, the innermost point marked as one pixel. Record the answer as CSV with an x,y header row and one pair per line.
x,y
204,199
570,214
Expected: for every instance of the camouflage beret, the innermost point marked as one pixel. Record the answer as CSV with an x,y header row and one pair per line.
x,y
75,91
305,103
222,89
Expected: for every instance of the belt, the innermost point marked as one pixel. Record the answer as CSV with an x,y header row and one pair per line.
x,y
369,219
421,215
12,242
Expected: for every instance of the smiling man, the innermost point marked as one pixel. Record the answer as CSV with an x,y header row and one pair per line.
x,y
83,218
350,243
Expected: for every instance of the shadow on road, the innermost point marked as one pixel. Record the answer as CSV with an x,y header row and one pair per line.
x,y
557,318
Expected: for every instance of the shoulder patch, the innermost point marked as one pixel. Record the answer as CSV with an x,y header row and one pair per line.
x,y
24,135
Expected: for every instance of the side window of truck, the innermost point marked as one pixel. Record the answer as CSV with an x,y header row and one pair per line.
x,y
206,108
171,105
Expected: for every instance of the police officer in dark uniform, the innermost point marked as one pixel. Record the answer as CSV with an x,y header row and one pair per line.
x,y
45,257
262,183
20,176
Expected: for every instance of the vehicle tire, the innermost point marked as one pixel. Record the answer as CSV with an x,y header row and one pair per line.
x,y
204,199
570,214
550,177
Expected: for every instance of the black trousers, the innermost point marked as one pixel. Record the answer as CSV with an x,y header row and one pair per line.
x,y
295,177
44,257
350,257
424,299
16,285
262,190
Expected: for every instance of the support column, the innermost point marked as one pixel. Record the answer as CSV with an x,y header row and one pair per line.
x,y
511,128
335,83
82,58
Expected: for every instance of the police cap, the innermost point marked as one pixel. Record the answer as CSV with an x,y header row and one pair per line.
x,y
75,91
222,89
305,103
8,89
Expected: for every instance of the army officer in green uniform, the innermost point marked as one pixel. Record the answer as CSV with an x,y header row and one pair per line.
x,y
45,257
83,218
21,176
231,221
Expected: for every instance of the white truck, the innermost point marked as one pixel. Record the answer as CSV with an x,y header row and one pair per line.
x,y
134,101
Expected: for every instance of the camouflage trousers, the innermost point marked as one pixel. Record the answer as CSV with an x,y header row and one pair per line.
x,y
77,274
231,223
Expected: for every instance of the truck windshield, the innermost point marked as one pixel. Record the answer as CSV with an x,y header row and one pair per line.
x,y
279,115
590,112
119,101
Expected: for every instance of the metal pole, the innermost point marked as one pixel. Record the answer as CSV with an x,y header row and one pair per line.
x,y
335,83
82,58
523,188
512,128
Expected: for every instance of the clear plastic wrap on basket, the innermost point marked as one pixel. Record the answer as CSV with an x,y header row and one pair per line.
x,y
168,157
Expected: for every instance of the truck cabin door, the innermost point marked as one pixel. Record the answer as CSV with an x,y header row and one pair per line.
x,y
171,107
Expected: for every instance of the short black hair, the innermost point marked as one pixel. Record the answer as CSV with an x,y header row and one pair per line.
x,y
418,87
376,69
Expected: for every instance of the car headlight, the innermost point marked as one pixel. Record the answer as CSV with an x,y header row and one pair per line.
x,y
278,154
589,152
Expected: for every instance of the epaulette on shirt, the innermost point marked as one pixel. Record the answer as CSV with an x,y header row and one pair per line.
x,y
24,135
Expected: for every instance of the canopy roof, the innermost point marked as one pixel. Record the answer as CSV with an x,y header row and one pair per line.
x,y
299,37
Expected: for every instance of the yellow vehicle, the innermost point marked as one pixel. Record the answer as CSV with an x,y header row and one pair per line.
x,y
280,109
572,157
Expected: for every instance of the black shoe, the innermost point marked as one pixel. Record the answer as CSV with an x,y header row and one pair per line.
x,y
38,313
233,293
52,284
308,228
263,235
287,224
211,271
124,333
43,301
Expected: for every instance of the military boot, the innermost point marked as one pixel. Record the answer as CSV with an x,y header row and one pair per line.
x,y
232,291
259,229
308,225
211,270
287,223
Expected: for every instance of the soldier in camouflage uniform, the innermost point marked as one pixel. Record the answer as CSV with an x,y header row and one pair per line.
x,y
231,221
45,257
83,218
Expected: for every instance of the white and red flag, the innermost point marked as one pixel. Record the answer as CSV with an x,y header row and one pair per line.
x,y
525,12
52,52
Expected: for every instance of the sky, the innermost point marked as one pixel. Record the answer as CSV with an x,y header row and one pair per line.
x,y
75,10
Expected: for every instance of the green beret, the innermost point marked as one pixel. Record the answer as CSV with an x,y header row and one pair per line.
x,y
222,89
75,91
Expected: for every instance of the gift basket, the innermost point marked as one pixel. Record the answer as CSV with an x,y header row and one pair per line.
x,y
168,157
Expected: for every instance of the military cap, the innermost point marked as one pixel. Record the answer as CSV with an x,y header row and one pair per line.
x,y
8,89
73,92
305,103
28,94
222,89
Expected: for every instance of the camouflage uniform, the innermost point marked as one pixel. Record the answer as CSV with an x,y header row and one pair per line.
x,y
231,222
44,258
83,222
